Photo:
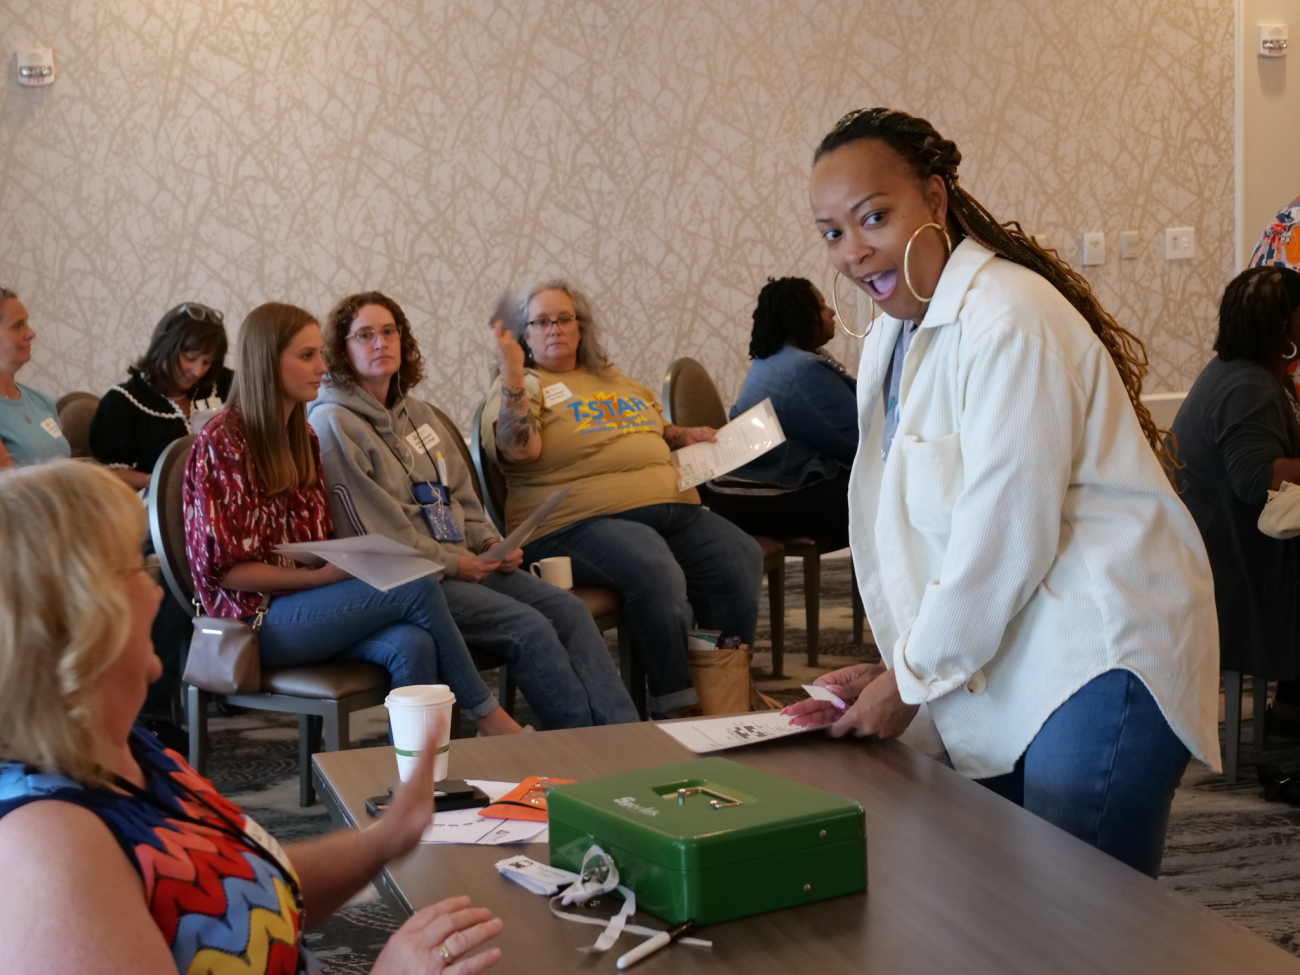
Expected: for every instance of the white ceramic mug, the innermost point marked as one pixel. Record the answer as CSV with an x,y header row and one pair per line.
x,y
557,571
412,711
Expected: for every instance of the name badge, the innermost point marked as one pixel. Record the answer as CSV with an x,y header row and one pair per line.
x,y
51,426
423,439
254,831
555,393
213,402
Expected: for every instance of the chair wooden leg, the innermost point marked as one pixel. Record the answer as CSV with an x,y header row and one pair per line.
x,y
859,611
629,666
1259,698
509,689
455,729
776,606
197,718
1231,723
812,592
309,735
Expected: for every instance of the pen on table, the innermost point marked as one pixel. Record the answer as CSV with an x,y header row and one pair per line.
x,y
652,945
442,467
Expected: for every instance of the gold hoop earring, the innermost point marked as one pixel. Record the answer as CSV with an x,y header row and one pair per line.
x,y
835,303
907,254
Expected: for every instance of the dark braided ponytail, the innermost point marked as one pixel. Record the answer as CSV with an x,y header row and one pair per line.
x,y
930,154
787,311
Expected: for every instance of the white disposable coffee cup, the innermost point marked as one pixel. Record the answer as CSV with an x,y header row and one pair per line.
x,y
558,571
412,712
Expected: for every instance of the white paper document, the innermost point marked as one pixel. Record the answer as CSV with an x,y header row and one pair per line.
x,y
466,826
540,878
520,535
374,559
823,694
750,435
717,734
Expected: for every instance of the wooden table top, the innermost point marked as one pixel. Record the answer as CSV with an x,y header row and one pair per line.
x,y
959,879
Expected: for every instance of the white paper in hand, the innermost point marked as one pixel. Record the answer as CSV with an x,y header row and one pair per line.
x,y
374,559
750,435
520,535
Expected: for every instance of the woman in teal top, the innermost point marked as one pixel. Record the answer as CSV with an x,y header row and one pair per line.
x,y
29,425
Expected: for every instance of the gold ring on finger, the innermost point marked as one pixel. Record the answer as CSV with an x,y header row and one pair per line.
x,y
446,953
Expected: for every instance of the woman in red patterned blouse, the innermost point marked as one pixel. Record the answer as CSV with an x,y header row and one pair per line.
x,y
253,482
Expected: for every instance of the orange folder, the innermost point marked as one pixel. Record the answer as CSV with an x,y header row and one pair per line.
x,y
527,801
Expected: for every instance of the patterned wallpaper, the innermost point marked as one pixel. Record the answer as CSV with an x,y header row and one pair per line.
x,y
238,151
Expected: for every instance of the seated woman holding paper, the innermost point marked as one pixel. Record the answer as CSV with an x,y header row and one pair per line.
x,y
118,856
561,415
392,468
253,482
800,487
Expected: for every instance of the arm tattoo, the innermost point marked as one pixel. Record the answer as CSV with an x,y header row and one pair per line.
x,y
516,423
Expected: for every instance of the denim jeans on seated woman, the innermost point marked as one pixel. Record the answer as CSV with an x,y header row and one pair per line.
x,y
551,643
408,631
672,564
1104,768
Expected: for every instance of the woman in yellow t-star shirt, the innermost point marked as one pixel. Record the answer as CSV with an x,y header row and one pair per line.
x,y
561,415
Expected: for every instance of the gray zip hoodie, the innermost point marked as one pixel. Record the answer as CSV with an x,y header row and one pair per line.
x,y
367,452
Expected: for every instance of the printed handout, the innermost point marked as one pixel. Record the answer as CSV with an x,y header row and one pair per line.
x,y
750,435
374,559
718,734
526,527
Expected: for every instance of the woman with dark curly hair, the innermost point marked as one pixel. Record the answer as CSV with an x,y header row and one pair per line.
x,y
801,487
393,470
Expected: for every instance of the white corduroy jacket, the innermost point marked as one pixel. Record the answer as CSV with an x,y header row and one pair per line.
x,y
1022,538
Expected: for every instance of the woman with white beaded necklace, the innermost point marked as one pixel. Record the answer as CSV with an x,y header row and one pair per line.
x,y
29,423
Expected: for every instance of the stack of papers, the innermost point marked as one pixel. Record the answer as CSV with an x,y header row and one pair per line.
x,y
374,559
540,878
750,435
468,827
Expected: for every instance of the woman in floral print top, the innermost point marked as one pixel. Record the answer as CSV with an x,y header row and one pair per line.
x,y
252,482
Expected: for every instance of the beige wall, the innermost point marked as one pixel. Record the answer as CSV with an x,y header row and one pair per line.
x,y
657,153
1270,121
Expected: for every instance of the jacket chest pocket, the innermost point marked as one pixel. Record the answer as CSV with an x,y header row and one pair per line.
x,y
932,479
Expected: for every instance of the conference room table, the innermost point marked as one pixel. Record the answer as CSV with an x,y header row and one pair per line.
x,y
959,879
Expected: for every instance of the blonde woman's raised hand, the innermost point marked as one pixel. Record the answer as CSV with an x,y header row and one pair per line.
x,y
439,939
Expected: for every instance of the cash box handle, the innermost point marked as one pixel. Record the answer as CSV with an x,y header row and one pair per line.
x,y
720,801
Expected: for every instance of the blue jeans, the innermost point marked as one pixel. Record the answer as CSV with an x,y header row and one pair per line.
x,y
551,643
1103,767
670,563
408,631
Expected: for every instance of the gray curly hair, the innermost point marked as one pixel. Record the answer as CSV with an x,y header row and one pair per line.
x,y
591,353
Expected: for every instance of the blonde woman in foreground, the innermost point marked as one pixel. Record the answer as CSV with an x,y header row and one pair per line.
x,y
118,856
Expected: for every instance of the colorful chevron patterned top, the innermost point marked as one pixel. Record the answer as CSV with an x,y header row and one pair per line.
x,y
222,905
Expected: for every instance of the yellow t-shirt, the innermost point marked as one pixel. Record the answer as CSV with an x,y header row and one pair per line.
x,y
604,436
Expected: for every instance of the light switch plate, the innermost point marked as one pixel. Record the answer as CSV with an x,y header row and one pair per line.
x,y
1180,243
1094,249
1128,245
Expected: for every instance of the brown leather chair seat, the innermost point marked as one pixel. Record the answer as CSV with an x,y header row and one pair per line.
x,y
332,679
599,602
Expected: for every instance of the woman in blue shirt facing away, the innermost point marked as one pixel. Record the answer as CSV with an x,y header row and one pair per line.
x,y
801,487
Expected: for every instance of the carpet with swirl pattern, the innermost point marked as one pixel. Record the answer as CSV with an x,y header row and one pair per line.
x,y
1227,848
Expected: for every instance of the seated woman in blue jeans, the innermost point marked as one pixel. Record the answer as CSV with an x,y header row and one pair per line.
x,y
253,481
573,420
392,469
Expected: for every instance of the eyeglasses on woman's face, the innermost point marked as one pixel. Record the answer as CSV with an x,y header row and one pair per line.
x,y
367,335
560,321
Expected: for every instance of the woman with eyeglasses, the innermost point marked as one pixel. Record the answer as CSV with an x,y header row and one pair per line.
x,y
119,857
181,373
29,423
393,469
253,482
561,415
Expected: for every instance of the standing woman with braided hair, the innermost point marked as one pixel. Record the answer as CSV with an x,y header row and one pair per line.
x,y
1041,597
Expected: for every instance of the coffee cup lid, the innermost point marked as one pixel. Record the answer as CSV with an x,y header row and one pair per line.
x,y
420,695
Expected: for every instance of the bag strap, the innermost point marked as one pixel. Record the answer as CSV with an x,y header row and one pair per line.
x,y
261,612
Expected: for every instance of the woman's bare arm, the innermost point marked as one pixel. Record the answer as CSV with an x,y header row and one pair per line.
x,y
261,577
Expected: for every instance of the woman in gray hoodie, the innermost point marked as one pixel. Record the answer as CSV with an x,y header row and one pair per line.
x,y
392,469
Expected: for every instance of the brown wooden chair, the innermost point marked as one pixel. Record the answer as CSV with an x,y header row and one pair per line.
x,y
1232,719
322,695
605,605
691,399
76,410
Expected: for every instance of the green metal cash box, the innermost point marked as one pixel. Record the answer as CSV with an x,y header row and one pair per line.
x,y
711,840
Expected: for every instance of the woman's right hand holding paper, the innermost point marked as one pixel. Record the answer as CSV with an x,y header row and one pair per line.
x,y
846,684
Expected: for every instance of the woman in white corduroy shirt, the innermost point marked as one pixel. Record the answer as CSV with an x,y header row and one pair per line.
x,y
1041,597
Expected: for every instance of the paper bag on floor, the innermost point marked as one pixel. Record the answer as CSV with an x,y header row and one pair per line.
x,y
722,680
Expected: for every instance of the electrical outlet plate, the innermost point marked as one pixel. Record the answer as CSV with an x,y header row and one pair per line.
x,y
1180,243
1128,245
1094,249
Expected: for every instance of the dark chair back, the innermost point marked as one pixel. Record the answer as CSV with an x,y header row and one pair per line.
x,y
76,410
461,446
491,479
690,398
167,520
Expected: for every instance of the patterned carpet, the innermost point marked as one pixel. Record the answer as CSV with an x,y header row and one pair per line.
x,y
1227,849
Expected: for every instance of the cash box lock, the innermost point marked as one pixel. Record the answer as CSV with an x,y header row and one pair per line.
x,y
720,800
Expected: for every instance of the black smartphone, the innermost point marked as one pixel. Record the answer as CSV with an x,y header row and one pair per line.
x,y
377,804
457,794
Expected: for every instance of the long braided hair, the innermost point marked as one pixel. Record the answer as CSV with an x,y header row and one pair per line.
x,y
787,311
929,154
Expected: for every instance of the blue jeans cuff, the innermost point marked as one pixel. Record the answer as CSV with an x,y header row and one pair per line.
x,y
673,702
483,710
